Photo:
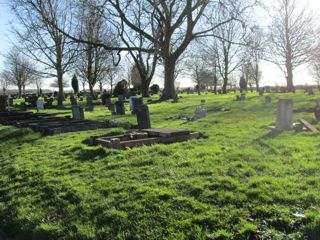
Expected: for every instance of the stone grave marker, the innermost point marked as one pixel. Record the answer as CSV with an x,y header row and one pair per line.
x,y
200,112
284,115
112,108
267,100
89,103
317,112
73,100
135,101
143,116
77,113
40,104
203,101
3,104
120,110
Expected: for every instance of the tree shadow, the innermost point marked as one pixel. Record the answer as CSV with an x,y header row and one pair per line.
x,y
18,134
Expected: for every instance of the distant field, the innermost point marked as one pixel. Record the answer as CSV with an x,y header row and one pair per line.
x,y
241,180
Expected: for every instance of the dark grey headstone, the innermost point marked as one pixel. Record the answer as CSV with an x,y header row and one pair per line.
x,y
77,113
120,110
135,102
284,115
143,117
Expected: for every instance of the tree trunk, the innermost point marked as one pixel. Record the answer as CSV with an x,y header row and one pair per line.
x,y
19,90
100,87
145,88
225,84
169,91
60,86
91,91
289,77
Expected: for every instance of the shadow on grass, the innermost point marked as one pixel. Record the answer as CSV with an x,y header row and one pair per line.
x,y
89,154
18,134
271,134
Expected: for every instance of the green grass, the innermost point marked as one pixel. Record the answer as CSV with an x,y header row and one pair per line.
x,y
240,180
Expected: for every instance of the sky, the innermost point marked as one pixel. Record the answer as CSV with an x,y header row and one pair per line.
x,y
271,75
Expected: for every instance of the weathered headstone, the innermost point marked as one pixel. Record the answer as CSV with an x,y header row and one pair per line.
x,y
112,108
284,115
89,103
77,112
40,104
3,104
310,91
267,100
73,100
200,112
135,101
120,110
143,116
317,112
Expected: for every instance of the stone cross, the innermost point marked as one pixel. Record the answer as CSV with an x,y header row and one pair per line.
x,y
284,115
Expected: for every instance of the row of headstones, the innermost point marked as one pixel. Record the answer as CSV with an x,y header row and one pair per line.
x,y
142,112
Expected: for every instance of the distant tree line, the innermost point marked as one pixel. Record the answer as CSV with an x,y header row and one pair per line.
x,y
210,41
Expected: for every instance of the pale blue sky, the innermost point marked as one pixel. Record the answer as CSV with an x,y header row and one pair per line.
x,y
271,75
5,18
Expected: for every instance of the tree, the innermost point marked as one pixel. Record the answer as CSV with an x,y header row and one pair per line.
x,y
75,84
290,38
121,88
154,88
4,81
227,48
94,62
168,26
19,71
40,39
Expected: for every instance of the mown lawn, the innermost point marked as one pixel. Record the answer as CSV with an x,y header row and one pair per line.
x,y
240,180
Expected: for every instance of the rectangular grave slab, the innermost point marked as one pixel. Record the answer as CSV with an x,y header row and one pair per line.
x,y
166,132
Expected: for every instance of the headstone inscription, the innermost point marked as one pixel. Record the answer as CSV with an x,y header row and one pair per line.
x,y
77,112
284,115
3,104
143,116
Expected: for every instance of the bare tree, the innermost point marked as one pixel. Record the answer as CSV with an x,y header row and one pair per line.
x,y
226,50
290,37
94,62
19,71
41,40
4,81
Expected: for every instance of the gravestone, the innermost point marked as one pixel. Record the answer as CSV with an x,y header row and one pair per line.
x,y
284,115
135,101
200,112
73,100
112,108
203,101
267,100
89,107
40,104
310,91
143,116
317,112
3,104
120,110
77,112
23,106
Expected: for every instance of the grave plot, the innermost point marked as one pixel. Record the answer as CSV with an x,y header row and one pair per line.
x,y
48,124
145,137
